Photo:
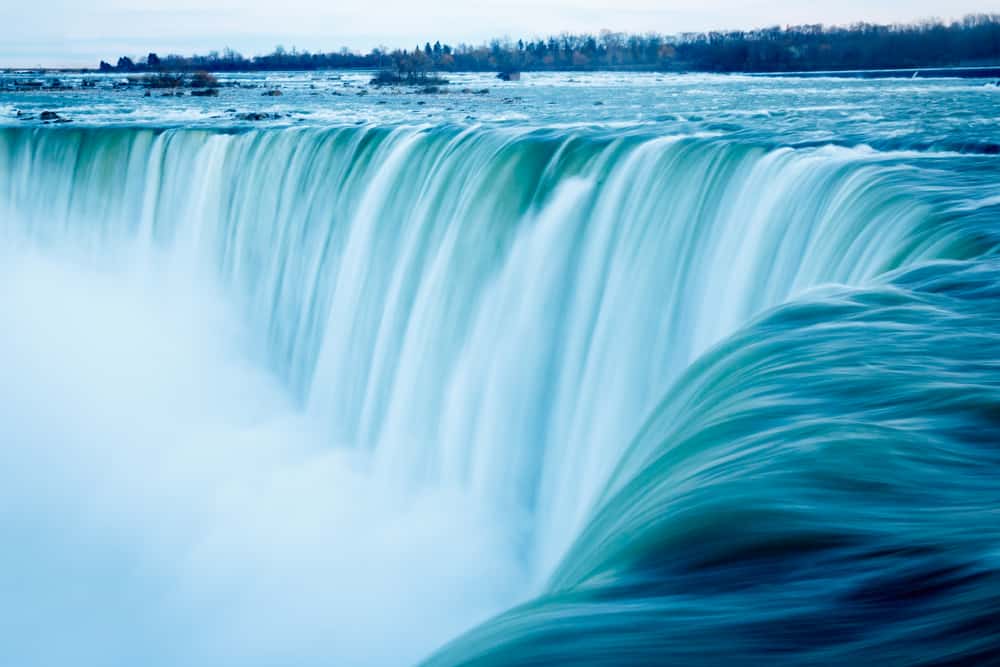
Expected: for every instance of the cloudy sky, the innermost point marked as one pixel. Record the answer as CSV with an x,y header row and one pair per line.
x,y
71,33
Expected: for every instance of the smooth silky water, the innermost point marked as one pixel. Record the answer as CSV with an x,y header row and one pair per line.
x,y
591,368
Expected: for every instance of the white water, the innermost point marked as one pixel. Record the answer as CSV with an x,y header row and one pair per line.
x,y
335,396
164,503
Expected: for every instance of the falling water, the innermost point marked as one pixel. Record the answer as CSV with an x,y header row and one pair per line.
x,y
473,322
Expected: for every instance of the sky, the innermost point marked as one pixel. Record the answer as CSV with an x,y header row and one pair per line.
x,y
73,33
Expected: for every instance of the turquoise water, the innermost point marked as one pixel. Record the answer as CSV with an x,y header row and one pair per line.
x,y
705,372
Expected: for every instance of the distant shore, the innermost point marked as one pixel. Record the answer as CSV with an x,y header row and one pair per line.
x,y
988,72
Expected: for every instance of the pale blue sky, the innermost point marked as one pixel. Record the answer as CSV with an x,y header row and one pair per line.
x,y
72,33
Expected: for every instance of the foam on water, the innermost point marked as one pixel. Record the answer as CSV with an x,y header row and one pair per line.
x,y
165,503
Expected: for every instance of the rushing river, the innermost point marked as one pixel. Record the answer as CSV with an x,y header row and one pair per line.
x,y
592,368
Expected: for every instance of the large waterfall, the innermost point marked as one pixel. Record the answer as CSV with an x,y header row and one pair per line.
x,y
460,333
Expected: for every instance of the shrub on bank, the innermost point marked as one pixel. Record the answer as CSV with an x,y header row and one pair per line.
x,y
422,79
160,80
204,80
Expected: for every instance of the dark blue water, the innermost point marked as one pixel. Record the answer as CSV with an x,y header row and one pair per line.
x,y
820,489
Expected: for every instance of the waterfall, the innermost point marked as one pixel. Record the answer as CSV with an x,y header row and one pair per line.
x,y
473,322
454,301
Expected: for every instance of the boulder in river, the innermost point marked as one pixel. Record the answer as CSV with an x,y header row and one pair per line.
x,y
255,116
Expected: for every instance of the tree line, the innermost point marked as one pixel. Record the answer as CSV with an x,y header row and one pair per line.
x,y
973,40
